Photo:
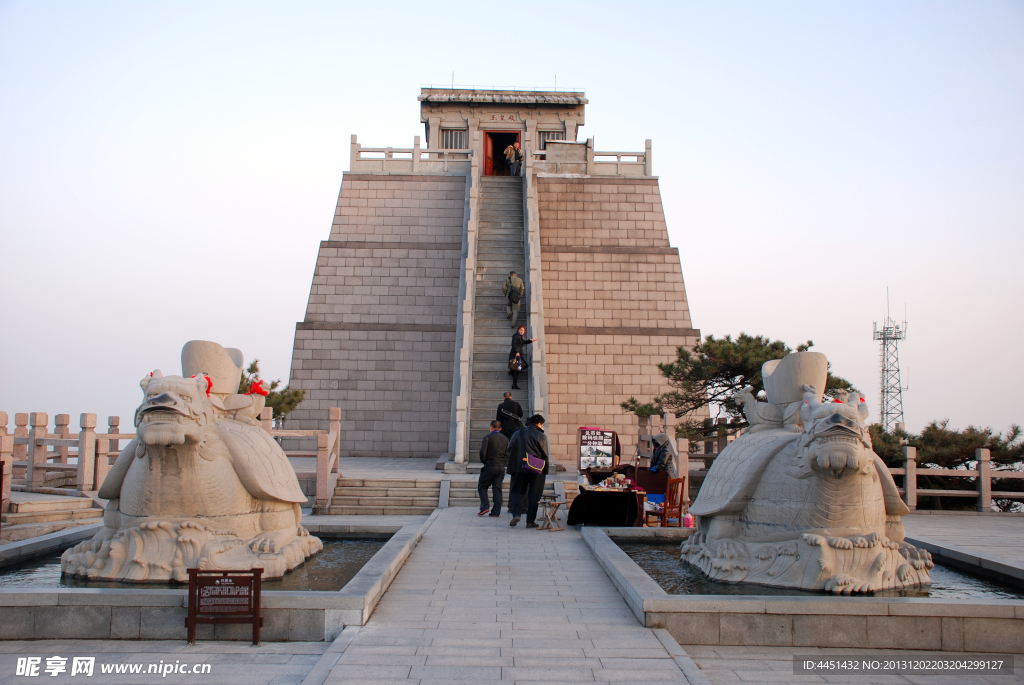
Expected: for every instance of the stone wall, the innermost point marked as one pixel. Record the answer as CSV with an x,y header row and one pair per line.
x,y
378,338
614,303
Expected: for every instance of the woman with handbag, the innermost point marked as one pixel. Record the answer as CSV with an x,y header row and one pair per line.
x,y
517,355
533,467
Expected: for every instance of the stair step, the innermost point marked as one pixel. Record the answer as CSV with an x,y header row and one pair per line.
x,y
381,511
15,519
51,505
24,531
385,501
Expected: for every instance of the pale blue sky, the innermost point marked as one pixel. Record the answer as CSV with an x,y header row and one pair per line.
x,y
167,170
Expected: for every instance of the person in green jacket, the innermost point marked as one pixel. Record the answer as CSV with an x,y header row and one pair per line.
x,y
514,290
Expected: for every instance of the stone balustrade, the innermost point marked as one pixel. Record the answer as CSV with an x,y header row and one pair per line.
x,y
572,157
983,475
408,160
32,452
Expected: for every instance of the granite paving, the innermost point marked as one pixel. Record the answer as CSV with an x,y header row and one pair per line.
x,y
751,665
481,601
996,535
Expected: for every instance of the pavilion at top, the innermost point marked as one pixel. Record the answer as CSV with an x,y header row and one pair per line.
x,y
544,115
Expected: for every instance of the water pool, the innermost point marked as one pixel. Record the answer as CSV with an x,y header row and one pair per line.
x,y
327,571
662,564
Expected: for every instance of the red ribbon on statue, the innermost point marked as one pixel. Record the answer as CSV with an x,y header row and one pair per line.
x,y
209,384
257,387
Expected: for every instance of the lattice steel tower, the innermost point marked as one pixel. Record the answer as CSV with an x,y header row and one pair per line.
x,y
891,405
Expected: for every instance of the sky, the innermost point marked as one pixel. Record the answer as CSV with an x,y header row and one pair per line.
x,y
167,171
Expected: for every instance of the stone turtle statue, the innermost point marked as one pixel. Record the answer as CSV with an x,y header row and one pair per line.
x,y
814,509
195,489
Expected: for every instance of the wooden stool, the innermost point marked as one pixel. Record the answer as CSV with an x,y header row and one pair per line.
x,y
551,507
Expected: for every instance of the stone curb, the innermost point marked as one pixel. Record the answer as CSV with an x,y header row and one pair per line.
x,y
977,562
690,670
826,621
328,659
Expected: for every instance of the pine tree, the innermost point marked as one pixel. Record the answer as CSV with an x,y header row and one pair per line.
x,y
283,401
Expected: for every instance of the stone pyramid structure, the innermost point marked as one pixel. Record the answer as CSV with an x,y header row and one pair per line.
x,y
405,328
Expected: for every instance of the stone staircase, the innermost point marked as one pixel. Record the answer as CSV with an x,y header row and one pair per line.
x,y
33,515
463,493
499,250
385,496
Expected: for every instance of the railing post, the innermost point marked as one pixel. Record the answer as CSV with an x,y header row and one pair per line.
x,y
647,157
35,476
113,428
683,468
984,458
61,429
322,457
353,154
590,156
415,154
87,453
6,470
267,418
910,479
335,415
20,431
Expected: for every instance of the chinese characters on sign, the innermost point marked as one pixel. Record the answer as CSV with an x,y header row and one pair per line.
x,y
224,597
503,117
597,448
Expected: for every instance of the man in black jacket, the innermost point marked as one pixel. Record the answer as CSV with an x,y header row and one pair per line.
x,y
529,483
493,455
510,413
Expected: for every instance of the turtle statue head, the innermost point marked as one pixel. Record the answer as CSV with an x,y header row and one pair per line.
x,y
174,410
202,485
835,437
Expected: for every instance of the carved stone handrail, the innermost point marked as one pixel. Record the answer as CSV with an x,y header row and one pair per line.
x,y
983,476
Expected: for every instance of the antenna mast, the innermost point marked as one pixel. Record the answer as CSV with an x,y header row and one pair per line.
x,y
891,405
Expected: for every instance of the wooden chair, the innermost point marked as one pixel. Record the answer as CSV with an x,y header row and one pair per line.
x,y
673,507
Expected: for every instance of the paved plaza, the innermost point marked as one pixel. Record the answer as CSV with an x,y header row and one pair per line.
x,y
997,535
482,602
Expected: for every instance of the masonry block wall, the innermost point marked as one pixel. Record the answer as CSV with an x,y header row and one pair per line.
x,y
378,338
614,303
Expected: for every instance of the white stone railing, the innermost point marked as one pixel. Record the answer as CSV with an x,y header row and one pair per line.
x,y
983,475
581,158
32,451
535,288
458,443
407,160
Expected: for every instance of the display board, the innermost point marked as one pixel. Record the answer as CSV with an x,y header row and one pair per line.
x,y
596,448
224,597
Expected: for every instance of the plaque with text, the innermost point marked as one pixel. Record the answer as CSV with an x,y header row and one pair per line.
x,y
596,448
224,597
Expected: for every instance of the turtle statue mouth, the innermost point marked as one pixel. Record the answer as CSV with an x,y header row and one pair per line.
x,y
172,418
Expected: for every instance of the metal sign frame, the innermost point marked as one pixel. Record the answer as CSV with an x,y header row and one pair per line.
x,y
221,597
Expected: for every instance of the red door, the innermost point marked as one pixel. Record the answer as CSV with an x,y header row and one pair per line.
x,y
488,155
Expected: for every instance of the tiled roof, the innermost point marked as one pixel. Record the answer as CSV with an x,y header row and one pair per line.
x,y
503,97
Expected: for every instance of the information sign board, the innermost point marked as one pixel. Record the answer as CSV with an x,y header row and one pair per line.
x,y
224,597
596,448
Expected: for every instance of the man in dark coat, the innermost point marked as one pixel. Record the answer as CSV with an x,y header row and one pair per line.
x,y
510,413
493,455
515,467
530,484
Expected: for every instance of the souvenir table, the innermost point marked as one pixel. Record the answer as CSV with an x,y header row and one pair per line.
x,y
600,507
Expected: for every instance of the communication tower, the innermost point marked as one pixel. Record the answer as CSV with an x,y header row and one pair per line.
x,y
889,335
